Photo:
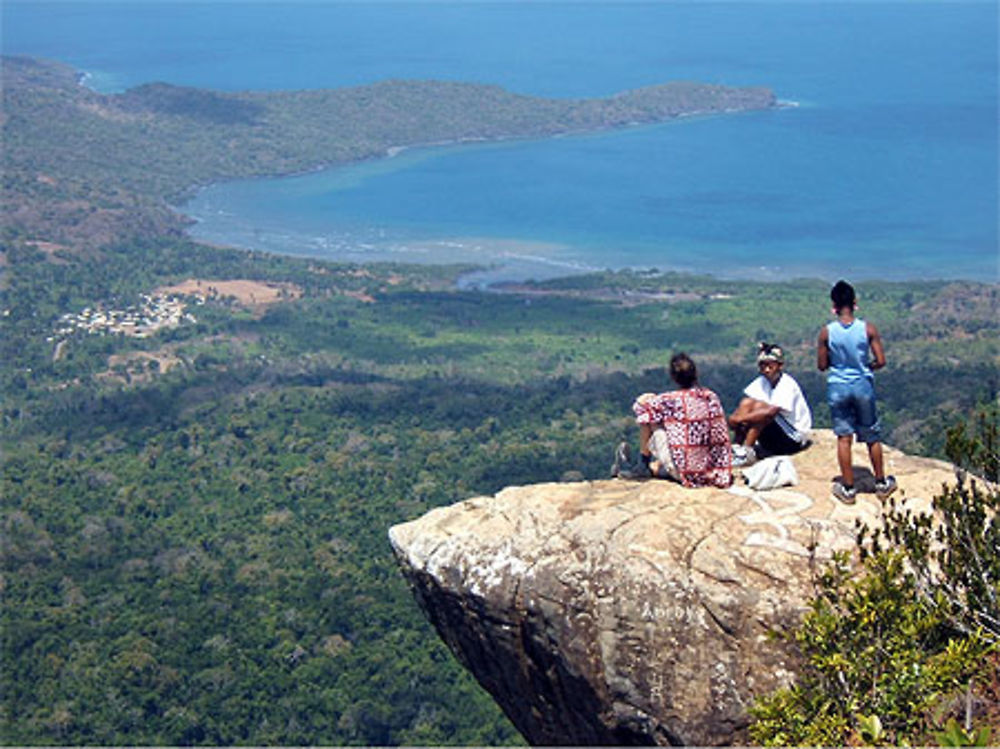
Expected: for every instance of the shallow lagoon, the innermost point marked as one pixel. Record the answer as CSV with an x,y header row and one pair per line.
x,y
888,168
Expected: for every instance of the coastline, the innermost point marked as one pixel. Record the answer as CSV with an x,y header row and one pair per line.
x,y
511,259
833,90
188,193
521,258
504,260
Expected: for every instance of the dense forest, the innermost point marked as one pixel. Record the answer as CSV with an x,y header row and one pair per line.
x,y
194,522
203,448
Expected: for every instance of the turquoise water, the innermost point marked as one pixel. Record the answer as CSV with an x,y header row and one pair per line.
x,y
887,168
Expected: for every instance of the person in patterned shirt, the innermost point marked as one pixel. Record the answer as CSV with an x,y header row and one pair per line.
x,y
683,434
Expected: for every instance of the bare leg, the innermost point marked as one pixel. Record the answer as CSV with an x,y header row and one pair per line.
x,y
844,459
645,431
739,417
875,454
737,422
739,434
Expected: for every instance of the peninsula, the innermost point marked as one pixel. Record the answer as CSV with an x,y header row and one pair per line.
x,y
83,168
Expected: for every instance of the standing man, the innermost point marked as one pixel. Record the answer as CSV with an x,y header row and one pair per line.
x,y
773,418
849,350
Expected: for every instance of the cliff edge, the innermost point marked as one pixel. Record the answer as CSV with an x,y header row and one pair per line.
x,y
628,612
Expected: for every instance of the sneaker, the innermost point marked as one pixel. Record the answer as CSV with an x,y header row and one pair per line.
x,y
638,471
743,456
623,459
623,468
885,487
846,494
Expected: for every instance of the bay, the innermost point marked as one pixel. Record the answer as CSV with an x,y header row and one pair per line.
x,y
886,168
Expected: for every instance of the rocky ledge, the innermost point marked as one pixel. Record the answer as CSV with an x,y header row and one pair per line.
x,y
625,612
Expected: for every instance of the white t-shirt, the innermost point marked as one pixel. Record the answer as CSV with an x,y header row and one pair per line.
x,y
795,417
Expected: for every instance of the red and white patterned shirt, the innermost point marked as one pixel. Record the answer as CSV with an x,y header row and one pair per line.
x,y
697,433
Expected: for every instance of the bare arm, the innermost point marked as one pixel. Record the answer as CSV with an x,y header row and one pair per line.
x,y
761,410
875,341
823,350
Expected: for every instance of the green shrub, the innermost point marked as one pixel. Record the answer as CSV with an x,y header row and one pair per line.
x,y
956,560
909,651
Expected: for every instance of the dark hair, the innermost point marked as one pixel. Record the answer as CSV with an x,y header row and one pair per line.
x,y
770,352
842,295
683,370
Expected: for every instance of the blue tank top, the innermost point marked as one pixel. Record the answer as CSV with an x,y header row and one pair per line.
x,y
849,351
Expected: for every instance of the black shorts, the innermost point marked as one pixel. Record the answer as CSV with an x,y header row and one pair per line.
x,y
773,440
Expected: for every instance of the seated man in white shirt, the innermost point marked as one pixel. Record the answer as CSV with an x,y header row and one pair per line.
x,y
773,418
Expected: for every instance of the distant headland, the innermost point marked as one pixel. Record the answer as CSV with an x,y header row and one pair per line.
x,y
84,168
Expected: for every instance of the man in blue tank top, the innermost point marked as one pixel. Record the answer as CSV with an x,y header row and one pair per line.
x,y
849,350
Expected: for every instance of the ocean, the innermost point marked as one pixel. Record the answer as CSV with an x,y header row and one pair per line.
x,y
885,164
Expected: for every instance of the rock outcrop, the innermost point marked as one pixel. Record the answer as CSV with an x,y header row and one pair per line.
x,y
628,612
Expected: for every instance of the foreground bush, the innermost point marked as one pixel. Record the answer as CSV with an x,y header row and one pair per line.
x,y
908,652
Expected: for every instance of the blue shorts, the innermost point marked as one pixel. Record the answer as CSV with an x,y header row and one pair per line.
x,y
853,411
